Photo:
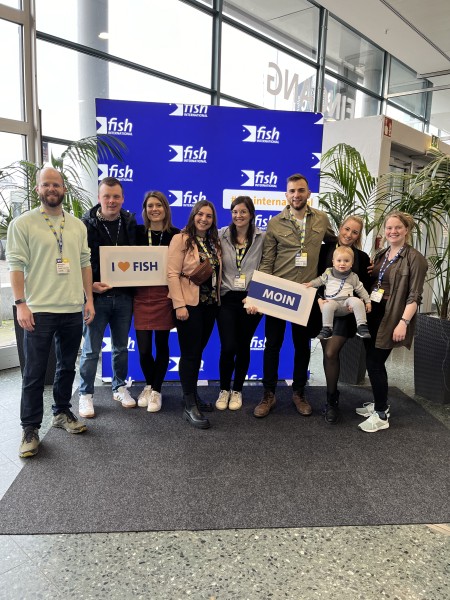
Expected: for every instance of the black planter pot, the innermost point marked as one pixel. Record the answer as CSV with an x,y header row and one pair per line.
x,y
432,358
51,365
353,362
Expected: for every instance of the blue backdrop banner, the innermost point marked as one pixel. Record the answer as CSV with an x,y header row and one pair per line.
x,y
192,152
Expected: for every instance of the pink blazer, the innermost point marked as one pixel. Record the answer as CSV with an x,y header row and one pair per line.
x,y
181,291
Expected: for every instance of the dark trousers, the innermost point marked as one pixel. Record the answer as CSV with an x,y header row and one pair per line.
x,y
376,358
67,329
275,329
193,335
236,329
154,369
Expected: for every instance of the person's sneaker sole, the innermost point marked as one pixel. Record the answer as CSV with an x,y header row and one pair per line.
x,y
28,453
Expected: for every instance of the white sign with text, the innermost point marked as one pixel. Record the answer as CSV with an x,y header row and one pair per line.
x,y
129,266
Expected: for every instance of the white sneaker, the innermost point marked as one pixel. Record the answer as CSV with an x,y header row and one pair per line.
x,y
374,423
122,395
154,403
86,406
368,408
222,400
144,396
235,401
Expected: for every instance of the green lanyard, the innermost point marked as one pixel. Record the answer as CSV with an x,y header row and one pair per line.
x,y
59,239
240,253
203,246
301,230
149,233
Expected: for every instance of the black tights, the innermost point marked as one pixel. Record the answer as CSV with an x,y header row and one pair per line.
x,y
331,362
154,369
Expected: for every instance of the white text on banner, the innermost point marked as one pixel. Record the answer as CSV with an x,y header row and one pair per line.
x,y
128,266
280,298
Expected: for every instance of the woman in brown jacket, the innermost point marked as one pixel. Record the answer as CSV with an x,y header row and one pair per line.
x,y
396,291
195,305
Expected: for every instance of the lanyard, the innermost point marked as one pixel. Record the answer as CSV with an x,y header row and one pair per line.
x,y
300,229
203,246
240,253
59,239
383,268
341,285
118,231
150,241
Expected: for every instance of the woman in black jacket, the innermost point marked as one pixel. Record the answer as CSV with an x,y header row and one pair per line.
x,y
343,327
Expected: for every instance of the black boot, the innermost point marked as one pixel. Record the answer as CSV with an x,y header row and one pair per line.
x,y
331,411
203,406
191,413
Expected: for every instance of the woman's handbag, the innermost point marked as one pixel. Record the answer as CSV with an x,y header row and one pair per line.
x,y
201,273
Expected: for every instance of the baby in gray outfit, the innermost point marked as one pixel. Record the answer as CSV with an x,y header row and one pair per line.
x,y
340,283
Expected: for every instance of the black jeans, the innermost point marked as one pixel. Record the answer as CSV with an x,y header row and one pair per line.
x,y
275,329
376,358
193,335
154,369
67,329
236,329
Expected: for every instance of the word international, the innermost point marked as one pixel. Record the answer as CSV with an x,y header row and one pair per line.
x,y
274,295
136,266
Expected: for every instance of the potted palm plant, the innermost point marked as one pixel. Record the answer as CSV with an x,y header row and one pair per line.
x,y
18,181
427,199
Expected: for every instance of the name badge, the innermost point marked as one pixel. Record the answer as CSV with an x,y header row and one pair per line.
x,y
301,259
62,266
377,295
239,282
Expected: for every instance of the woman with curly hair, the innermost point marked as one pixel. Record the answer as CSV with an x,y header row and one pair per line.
x,y
195,301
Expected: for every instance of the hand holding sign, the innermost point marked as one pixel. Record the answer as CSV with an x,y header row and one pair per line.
x,y
279,298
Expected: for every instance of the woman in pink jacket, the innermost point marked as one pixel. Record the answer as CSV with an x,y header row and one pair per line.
x,y
195,304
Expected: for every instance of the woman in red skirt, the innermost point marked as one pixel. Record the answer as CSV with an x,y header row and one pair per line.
x,y
153,311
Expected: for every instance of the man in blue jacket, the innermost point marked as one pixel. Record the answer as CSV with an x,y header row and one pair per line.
x,y
108,224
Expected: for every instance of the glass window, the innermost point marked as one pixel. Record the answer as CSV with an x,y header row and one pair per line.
x,y
166,35
13,3
11,97
293,23
68,111
353,57
342,101
440,116
257,73
403,117
404,79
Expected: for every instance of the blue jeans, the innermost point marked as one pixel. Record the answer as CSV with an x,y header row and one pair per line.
x,y
115,311
67,329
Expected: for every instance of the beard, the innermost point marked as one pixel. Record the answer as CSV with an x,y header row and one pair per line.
x,y
53,201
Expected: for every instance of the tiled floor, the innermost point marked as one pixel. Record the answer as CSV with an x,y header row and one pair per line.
x,y
339,563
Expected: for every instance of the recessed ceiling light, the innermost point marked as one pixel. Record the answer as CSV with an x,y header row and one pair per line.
x,y
104,35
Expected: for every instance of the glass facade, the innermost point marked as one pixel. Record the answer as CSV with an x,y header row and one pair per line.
x,y
11,97
286,55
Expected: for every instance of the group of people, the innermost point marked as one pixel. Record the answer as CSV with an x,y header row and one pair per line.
x,y
54,262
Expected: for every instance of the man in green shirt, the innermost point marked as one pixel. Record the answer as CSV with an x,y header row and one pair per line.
x,y
49,263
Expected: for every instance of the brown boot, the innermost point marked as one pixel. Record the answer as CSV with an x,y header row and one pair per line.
x,y
266,404
301,403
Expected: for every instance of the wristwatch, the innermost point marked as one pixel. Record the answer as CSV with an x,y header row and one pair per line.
x,y
406,321
20,301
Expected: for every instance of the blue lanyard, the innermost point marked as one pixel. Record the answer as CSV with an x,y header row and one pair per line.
x,y
383,268
340,288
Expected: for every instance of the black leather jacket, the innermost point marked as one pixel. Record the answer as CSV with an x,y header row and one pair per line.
x,y
97,236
